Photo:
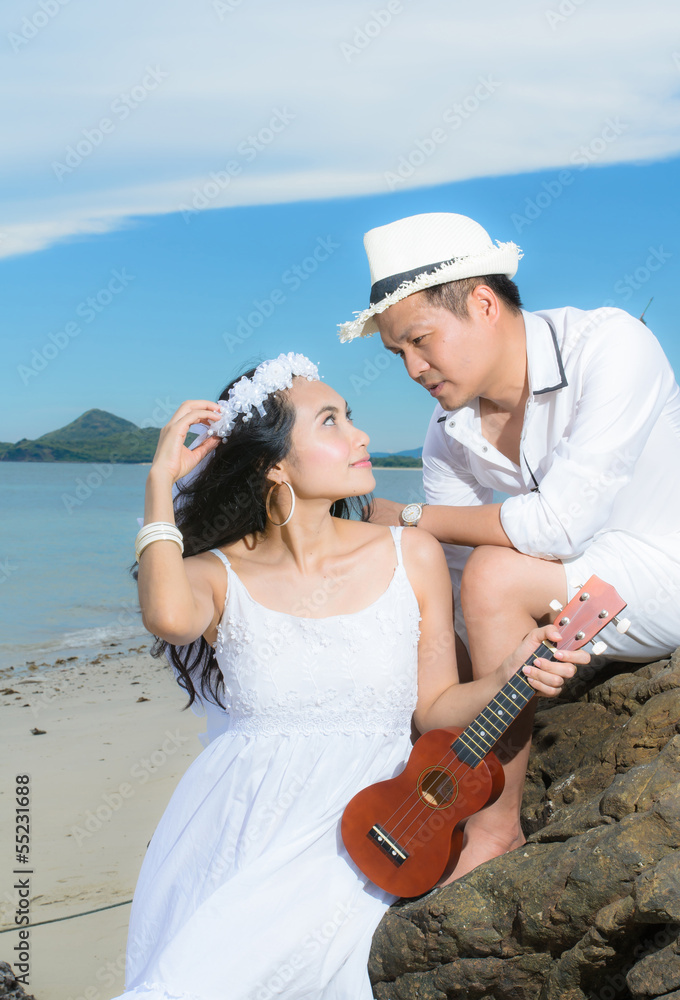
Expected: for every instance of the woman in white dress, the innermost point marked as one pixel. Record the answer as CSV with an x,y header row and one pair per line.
x,y
322,637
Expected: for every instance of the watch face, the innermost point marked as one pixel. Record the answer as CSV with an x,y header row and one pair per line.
x,y
411,513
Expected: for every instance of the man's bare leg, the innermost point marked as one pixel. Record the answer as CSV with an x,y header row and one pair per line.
x,y
504,595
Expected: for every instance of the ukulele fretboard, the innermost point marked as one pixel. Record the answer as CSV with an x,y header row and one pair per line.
x,y
479,737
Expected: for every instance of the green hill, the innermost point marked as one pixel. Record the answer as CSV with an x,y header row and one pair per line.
x,y
93,423
96,436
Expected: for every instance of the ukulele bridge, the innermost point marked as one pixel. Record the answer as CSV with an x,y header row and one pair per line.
x,y
394,851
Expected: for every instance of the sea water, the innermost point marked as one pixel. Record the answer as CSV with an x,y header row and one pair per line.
x,y
67,535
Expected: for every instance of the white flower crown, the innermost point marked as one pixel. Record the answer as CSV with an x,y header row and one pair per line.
x,y
250,393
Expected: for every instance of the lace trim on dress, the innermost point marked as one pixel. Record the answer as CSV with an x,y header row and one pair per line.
x,y
390,722
235,633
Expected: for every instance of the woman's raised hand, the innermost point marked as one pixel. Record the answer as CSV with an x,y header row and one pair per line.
x,y
546,676
173,459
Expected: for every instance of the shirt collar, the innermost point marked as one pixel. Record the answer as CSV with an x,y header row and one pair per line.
x,y
544,360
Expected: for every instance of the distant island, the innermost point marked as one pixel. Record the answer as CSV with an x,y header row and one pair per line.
x,y
401,460
98,436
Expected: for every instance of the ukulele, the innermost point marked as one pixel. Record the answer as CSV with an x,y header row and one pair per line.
x,y
405,833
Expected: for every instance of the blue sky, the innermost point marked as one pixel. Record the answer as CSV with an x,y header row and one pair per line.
x,y
179,165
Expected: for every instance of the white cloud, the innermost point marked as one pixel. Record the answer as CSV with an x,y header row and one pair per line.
x,y
183,85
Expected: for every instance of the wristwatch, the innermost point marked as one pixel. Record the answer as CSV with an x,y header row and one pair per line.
x,y
412,513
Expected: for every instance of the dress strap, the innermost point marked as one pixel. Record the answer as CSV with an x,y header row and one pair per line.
x,y
396,536
220,555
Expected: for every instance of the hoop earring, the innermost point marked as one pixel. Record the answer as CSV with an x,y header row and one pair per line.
x,y
280,524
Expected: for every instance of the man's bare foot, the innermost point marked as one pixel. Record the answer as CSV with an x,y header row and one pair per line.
x,y
480,845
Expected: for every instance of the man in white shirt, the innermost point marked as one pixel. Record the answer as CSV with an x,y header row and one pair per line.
x,y
575,414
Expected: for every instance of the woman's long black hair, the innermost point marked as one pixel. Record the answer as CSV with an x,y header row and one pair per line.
x,y
226,502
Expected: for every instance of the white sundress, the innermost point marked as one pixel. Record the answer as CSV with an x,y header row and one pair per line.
x,y
246,891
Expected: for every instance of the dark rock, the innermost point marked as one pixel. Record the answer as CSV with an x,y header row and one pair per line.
x,y
10,989
590,906
656,974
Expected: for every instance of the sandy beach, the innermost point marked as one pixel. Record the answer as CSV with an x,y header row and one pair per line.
x,y
114,746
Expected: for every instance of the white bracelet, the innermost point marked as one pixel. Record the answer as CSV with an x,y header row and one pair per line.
x,y
157,538
154,525
155,532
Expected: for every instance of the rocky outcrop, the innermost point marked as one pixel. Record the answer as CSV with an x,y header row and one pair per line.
x,y
10,989
589,909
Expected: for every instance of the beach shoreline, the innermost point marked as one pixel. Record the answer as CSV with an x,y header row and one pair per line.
x,y
112,745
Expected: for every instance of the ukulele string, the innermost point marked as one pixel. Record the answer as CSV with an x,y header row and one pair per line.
x,y
399,829
425,809
441,763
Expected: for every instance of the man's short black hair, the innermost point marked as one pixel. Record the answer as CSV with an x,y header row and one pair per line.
x,y
453,295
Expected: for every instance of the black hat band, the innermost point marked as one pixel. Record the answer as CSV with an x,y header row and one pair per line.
x,y
381,289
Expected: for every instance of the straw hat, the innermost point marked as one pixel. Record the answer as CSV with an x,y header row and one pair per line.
x,y
425,250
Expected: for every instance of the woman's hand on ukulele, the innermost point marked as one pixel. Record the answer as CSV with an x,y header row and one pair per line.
x,y
545,676
173,459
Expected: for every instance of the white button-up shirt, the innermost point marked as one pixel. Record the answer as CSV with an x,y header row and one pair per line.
x,y
600,442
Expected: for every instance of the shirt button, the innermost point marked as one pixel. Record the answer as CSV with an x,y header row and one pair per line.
x,y
452,423
484,448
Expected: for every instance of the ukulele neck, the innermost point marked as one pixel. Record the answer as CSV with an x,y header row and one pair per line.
x,y
477,739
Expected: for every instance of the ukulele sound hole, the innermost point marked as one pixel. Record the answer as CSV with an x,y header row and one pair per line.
x,y
437,788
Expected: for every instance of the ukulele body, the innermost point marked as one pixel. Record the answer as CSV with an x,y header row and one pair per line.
x,y
402,833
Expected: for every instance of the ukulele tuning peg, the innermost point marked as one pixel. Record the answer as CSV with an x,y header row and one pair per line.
x,y
556,606
622,624
598,647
